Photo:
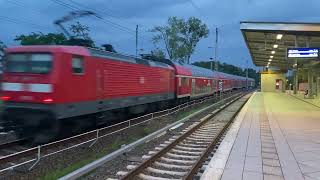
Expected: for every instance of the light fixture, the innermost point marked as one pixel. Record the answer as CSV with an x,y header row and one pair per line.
x,y
271,57
275,46
279,36
273,52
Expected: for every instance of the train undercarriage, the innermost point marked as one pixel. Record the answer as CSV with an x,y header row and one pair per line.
x,y
41,126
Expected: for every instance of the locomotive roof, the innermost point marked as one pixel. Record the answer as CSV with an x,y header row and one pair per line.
x,y
49,48
127,58
84,51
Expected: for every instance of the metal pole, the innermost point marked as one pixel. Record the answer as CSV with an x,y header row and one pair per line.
x,y
247,75
137,28
38,158
216,51
295,70
216,58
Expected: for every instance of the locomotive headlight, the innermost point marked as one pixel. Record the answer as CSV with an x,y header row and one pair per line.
x,y
47,100
5,98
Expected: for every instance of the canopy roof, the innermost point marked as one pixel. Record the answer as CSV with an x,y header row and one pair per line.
x,y
270,40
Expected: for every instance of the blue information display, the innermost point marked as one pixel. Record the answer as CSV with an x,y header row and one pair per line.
x,y
303,52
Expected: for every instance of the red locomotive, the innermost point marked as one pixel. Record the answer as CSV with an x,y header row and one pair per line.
x,y
44,86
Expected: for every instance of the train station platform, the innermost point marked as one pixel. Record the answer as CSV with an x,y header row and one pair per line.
x,y
275,136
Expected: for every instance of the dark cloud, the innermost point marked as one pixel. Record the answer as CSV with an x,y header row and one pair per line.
x,y
36,15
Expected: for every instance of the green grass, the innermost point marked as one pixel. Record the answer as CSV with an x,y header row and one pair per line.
x,y
87,159
61,172
147,131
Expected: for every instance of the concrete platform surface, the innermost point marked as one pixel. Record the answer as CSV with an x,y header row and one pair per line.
x,y
275,136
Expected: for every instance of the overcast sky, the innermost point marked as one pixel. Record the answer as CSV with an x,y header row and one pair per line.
x,y
121,16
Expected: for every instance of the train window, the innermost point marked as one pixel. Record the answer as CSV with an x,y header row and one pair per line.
x,y
29,63
40,63
77,65
185,81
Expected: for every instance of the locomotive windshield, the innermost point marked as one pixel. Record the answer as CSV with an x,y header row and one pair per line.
x,y
28,63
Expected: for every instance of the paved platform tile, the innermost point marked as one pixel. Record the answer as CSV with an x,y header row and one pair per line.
x,y
268,150
272,177
270,155
273,170
271,162
249,175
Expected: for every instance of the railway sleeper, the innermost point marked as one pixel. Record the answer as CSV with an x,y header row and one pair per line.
x,y
208,129
150,177
172,160
131,167
212,134
191,143
214,126
185,152
166,172
171,166
179,156
203,136
187,143
198,139
190,148
121,173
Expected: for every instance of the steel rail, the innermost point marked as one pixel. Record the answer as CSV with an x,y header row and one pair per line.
x,y
147,163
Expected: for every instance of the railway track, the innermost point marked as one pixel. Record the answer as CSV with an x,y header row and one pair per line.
x,y
182,155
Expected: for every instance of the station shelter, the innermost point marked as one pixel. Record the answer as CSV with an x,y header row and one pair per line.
x,y
276,133
288,54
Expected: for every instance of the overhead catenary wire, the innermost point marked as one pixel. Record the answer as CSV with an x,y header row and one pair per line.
x,y
78,6
73,5
19,21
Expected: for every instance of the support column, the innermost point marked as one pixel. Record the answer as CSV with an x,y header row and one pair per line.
x,y
310,83
295,81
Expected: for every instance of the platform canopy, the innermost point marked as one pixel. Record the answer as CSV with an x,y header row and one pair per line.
x,y
268,41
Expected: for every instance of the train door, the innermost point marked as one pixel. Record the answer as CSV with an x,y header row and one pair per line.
x,y
99,88
193,87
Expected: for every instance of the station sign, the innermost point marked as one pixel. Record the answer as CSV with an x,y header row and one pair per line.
x,y
303,52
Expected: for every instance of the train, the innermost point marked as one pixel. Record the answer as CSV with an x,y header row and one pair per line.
x,y
45,87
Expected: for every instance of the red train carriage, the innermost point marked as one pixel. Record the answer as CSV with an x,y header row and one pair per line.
x,y
44,86
193,81
68,81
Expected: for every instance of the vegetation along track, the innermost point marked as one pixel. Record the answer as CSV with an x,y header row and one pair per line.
x,y
181,156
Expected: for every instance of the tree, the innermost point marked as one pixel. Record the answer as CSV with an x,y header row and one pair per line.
x,y
2,47
80,35
158,53
180,37
80,31
193,31
42,39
